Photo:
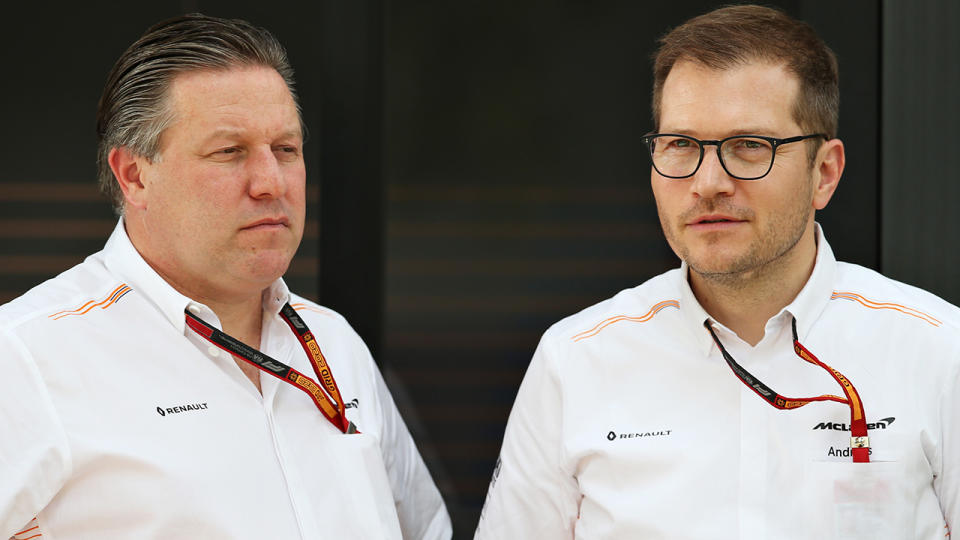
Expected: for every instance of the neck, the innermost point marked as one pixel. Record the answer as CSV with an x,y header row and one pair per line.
x,y
241,320
745,301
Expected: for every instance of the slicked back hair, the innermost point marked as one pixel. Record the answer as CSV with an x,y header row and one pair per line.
x,y
134,108
736,35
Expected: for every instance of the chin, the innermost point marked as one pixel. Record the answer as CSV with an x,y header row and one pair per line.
x,y
715,264
267,267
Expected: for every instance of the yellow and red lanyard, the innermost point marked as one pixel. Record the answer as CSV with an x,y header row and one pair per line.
x,y
330,402
859,441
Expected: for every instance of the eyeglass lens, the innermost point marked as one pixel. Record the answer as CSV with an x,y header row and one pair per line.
x,y
744,157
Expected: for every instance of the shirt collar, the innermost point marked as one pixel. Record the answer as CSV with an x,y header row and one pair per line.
x,y
122,259
815,295
692,312
806,307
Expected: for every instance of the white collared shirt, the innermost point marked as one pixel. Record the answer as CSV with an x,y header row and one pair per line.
x,y
629,423
118,421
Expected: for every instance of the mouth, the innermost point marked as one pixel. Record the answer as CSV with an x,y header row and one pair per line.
x,y
700,220
713,222
268,223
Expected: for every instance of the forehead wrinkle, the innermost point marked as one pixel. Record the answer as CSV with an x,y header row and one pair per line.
x,y
238,133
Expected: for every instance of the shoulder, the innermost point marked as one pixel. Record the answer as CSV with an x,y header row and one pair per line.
x,y
634,308
74,292
872,293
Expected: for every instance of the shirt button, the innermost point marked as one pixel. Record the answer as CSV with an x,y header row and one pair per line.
x,y
195,309
214,352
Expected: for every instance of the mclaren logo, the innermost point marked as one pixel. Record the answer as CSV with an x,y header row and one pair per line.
x,y
837,426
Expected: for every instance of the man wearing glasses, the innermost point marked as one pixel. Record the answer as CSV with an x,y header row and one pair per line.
x,y
762,390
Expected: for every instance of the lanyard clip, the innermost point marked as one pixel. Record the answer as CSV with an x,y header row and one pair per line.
x,y
860,442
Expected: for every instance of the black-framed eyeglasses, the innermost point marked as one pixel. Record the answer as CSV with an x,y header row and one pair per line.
x,y
745,157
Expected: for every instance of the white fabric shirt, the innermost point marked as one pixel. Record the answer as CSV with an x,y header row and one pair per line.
x,y
629,423
118,422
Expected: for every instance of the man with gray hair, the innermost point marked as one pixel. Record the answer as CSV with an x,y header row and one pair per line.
x,y
171,386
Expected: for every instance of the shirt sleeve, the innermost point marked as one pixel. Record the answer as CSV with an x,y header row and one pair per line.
x,y
533,493
34,456
420,508
947,483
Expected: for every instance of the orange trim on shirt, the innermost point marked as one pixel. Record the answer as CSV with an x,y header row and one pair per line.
x,y
302,306
866,302
644,318
31,528
112,298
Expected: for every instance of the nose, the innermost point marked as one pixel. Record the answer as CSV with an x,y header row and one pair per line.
x,y
265,176
711,179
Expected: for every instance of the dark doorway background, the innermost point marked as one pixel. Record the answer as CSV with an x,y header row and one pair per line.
x,y
476,173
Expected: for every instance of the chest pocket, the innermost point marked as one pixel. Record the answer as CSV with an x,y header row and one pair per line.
x,y
853,501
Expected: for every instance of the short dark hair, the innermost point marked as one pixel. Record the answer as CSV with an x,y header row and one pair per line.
x,y
735,35
134,109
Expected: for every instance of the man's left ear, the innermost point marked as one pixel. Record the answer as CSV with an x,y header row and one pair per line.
x,y
829,167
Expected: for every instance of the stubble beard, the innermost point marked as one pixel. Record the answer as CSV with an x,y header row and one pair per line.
x,y
760,261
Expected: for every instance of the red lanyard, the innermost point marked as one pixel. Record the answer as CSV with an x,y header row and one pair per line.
x,y
859,441
332,405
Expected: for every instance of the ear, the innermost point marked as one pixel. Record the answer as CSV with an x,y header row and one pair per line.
x,y
828,169
128,171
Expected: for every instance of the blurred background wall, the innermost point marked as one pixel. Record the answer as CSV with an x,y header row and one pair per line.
x,y
475,171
